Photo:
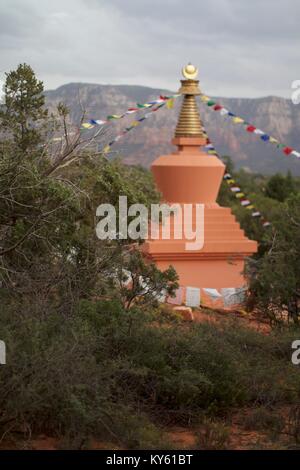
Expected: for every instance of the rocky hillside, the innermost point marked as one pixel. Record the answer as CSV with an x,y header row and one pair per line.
x,y
277,116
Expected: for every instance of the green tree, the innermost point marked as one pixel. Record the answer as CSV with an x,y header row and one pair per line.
x,y
48,246
23,107
141,282
275,278
280,187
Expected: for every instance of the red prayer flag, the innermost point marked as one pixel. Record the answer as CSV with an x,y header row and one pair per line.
x,y
251,128
287,150
217,107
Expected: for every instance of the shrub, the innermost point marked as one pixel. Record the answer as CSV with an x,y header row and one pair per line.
x,y
117,374
213,436
264,419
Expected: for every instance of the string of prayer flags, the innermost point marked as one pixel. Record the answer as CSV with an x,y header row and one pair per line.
x,y
244,201
111,117
235,189
264,136
136,123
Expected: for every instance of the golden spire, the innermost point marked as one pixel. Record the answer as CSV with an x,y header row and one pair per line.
x,y
189,122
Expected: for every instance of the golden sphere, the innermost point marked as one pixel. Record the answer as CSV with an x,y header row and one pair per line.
x,y
190,68
190,72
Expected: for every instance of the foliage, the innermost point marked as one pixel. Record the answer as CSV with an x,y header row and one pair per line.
x,y
23,107
275,278
264,419
294,423
213,436
273,272
115,374
48,244
280,187
142,282
88,352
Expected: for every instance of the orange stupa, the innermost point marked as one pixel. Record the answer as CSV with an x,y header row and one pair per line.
x,y
190,176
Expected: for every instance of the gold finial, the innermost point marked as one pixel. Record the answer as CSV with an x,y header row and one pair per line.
x,y
190,72
189,123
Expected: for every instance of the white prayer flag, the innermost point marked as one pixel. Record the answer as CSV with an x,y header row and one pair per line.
x,y
192,297
212,293
177,300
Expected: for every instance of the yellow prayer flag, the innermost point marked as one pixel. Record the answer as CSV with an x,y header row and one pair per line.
x,y
250,207
134,123
87,125
230,181
239,195
106,149
170,103
204,98
237,120
273,141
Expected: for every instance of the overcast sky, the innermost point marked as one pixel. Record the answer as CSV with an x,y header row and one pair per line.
x,y
242,47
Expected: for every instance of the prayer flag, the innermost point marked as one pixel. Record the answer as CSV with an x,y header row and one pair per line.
x,y
204,98
115,116
237,120
214,294
287,150
106,149
170,103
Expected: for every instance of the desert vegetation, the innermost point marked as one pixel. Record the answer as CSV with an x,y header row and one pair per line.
x,y
87,357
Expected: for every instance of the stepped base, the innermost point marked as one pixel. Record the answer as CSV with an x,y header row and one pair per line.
x,y
219,264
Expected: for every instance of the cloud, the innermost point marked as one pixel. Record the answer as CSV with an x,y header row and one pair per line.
x,y
241,48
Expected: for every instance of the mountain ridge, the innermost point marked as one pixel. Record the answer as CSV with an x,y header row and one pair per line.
x,y
275,115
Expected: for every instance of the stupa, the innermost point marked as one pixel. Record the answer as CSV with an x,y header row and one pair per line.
x,y
190,176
